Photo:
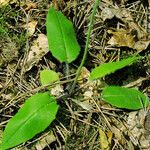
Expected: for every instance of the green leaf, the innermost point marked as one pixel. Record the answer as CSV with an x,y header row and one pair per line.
x,y
48,76
35,116
108,68
124,97
61,37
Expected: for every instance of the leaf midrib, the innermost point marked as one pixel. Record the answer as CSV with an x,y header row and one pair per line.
x,y
33,114
61,30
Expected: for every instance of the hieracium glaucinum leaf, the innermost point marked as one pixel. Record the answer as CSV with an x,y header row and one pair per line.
x,y
108,68
34,117
48,76
61,37
125,98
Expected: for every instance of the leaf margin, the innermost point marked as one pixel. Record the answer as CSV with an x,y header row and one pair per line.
x,y
5,145
135,105
97,71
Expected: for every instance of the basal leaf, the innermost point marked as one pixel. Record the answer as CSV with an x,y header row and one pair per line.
x,y
124,97
48,76
35,115
61,37
108,68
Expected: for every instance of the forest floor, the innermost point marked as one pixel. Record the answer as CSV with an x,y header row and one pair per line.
x,y
84,122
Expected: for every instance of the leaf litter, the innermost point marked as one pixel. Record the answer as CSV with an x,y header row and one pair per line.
x,y
38,49
79,123
30,27
133,35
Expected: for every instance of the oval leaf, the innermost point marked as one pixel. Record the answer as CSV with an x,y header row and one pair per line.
x,y
48,76
35,115
108,68
124,98
61,37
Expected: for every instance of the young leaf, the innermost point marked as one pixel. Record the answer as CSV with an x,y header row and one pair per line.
x,y
35,115
48,76
61,37
124,98
108,68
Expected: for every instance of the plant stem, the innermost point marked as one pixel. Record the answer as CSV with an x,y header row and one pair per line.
x,y
86,45
67,71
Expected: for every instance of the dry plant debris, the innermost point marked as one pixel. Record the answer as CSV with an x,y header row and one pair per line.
x,y
133,36
105,139
30,27
121,28
6,2
37,51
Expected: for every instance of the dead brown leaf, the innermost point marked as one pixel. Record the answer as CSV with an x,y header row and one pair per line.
x,y
121,37
37,51
30,27
105,139
128,38
147,122
138,134
6,2
29,5
134,36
